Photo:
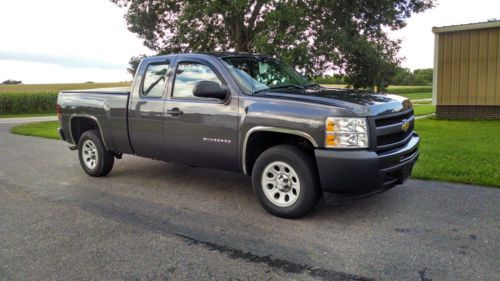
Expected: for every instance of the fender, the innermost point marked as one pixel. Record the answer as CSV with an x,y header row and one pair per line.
x,y
88,117
271,129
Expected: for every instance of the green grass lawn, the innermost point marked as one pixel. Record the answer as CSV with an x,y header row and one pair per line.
x,y
459,151
424,109
55,88
40,129
26,115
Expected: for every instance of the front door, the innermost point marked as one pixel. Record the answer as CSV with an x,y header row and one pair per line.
x,y
200,131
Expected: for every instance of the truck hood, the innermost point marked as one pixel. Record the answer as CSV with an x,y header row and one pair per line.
x,y
360,102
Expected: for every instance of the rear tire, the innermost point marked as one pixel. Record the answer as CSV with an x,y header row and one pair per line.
x,y
286,182
95,159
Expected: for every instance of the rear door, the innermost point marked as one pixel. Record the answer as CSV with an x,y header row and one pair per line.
x,y
200,131
146,105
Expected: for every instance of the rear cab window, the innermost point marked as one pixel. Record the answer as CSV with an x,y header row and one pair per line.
x,y
155,79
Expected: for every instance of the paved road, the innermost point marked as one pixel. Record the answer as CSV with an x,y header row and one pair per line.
x,y
150,220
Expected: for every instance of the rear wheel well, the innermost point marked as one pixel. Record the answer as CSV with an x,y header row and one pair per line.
x,y
260,141
80,125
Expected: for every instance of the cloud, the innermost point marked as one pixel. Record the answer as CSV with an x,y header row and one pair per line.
x,y
61,60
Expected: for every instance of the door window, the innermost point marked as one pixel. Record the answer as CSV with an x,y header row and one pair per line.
x,y
188,74
155,79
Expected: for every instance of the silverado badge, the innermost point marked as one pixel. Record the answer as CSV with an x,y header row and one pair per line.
x,y
217,140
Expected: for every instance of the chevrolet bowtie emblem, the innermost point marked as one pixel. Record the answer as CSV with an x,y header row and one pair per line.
x,y
405,126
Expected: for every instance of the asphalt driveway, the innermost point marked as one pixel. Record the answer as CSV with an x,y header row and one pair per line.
x,y
150,220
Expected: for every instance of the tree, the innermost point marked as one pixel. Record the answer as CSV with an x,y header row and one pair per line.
x,y
423,77
134,63
330,79
419,77
403,76
313,35
12,82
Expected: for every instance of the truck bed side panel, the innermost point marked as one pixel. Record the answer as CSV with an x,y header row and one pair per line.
x,y
109,109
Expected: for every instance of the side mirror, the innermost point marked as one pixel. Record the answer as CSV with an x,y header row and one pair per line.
x,y
209,89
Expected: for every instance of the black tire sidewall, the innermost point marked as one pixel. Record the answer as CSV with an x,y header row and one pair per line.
x,y
305,168
94,137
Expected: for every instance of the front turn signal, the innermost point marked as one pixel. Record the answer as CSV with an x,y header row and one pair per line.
x,y
330,140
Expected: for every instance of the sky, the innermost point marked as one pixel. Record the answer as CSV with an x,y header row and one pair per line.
x,y
65,41
71,41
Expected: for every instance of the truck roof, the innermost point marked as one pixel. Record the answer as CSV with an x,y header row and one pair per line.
x,y
214,54
230,54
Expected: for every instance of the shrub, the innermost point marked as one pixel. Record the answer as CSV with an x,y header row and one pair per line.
x,y
18,103
408,89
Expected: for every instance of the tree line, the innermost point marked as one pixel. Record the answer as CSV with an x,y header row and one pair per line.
x,y
11,82
400,77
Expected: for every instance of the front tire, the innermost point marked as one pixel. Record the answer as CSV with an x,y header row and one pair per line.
x,y
285,180
95,159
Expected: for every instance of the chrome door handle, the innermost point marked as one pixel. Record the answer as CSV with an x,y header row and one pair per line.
x,y
175,111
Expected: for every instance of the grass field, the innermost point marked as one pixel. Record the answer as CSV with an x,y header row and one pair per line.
x,y
455,151
40,129
424,109
26,115
55,88
39,98
409,89
334,85
410,92
416,96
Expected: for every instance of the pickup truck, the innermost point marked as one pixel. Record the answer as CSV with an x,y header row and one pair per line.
x,y
250,114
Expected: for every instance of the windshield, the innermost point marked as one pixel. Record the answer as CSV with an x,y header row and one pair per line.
x,y
255,74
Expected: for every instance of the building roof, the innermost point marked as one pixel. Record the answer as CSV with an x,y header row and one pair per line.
x,y
464,27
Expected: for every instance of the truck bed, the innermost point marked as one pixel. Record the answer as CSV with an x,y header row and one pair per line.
x,y
115,91
107,106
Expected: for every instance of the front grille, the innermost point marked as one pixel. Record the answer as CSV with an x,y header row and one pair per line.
x,y
385,120
389,133
393,138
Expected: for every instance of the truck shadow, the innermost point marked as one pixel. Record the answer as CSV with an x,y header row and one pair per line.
x,y
234,190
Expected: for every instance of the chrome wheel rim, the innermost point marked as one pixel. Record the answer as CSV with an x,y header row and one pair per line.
x,y
89,154
280,184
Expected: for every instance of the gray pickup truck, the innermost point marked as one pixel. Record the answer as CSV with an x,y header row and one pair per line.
x,y
250,114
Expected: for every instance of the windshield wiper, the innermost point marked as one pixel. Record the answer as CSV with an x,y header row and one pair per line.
x,y
288,86
312,84
282,86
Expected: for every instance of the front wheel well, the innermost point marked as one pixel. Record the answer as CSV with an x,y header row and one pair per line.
x,y
260,141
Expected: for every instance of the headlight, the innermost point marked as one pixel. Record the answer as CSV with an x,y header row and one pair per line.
x,y
346,132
